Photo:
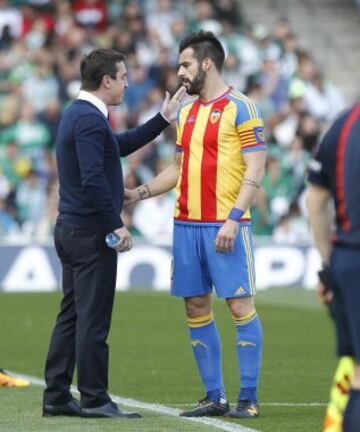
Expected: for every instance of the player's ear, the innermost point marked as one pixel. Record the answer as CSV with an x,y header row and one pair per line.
x,y
206,64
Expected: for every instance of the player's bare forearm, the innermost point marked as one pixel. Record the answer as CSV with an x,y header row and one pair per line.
x,y
163,182
320,219
160,184
255,170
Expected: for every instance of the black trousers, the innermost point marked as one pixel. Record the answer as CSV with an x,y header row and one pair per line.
x,y
83,323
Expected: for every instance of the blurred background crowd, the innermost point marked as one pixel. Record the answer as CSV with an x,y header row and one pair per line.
x,y
41,44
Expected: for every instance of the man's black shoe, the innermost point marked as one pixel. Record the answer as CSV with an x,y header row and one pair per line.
x,y
71,408
109,410
208,408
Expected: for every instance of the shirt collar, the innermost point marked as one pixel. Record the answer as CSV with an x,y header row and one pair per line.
x,y
89,97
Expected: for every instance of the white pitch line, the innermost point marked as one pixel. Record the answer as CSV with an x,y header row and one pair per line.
x,y
157,408
284,404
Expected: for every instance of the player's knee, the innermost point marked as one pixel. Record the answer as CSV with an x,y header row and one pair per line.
x,y
197,306
241,307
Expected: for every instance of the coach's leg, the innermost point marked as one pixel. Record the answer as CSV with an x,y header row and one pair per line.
x,y
94,296
206,345
60,363
248,345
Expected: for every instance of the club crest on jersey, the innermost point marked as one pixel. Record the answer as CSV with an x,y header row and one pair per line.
x,y
214,116
259,134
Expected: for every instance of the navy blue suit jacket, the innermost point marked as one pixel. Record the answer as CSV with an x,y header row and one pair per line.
x,y
88,158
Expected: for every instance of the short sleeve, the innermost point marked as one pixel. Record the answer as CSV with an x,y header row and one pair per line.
x,y
249,124
318,166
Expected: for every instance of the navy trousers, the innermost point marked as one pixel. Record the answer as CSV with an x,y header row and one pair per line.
x,y
345,270
83,323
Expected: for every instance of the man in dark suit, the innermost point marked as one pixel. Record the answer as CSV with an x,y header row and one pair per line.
x,y
91,197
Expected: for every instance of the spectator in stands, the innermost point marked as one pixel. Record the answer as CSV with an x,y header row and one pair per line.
x,y
31,202
42,42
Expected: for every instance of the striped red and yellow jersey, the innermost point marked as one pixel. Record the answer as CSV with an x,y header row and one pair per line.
x,y
213,137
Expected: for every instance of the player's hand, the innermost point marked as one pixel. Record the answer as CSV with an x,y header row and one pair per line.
x,y
131,196
226,236
325,295
126,242
170,107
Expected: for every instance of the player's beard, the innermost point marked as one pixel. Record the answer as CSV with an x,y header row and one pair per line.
x,y
197,84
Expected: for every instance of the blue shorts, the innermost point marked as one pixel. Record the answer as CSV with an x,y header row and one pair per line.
x,y
345,271
197,267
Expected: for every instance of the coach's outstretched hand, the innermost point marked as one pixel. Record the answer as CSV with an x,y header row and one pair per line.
x,y
131,196
171,106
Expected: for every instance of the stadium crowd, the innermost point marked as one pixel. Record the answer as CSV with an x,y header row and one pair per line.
x,y
41,44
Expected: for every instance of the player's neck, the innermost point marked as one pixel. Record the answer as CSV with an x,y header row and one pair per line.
x,y
213,91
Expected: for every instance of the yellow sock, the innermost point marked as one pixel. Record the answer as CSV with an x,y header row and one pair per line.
x,y
339,395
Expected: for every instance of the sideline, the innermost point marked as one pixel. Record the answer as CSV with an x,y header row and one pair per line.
x,y
160,409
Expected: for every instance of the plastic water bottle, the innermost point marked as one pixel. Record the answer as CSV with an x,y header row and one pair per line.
x,y
112,240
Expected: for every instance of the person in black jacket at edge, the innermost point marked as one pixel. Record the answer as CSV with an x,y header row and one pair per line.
x,y
91,197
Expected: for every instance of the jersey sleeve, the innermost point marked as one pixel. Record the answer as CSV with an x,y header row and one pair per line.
x,y
250,126
318,166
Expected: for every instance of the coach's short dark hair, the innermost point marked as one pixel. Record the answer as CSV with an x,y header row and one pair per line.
x,y
204,44
96,64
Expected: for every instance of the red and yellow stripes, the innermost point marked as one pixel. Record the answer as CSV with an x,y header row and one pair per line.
x,y
212,169
185,141
209,163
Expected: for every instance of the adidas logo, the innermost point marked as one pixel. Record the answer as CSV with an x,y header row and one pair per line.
x,y
240,291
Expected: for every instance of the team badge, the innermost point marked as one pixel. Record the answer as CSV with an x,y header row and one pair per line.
x,y
214,116
259,134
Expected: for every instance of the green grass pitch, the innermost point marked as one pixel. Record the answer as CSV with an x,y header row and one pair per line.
x,y
151,361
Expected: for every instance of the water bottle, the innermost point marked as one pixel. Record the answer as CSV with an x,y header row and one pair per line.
x,y
112,240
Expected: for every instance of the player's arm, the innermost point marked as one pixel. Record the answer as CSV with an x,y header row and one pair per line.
x,y
163,182
320,212
318,203
255,170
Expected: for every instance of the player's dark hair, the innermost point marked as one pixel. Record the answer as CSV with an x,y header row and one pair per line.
x,y
204,44
98,63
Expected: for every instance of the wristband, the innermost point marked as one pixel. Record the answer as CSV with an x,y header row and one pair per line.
x,y
325,277
236,214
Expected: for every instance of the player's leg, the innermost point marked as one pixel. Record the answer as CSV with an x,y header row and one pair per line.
x,y
347,272
233,275
206,347
190,281
249,351
340,388
352,412
339,395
